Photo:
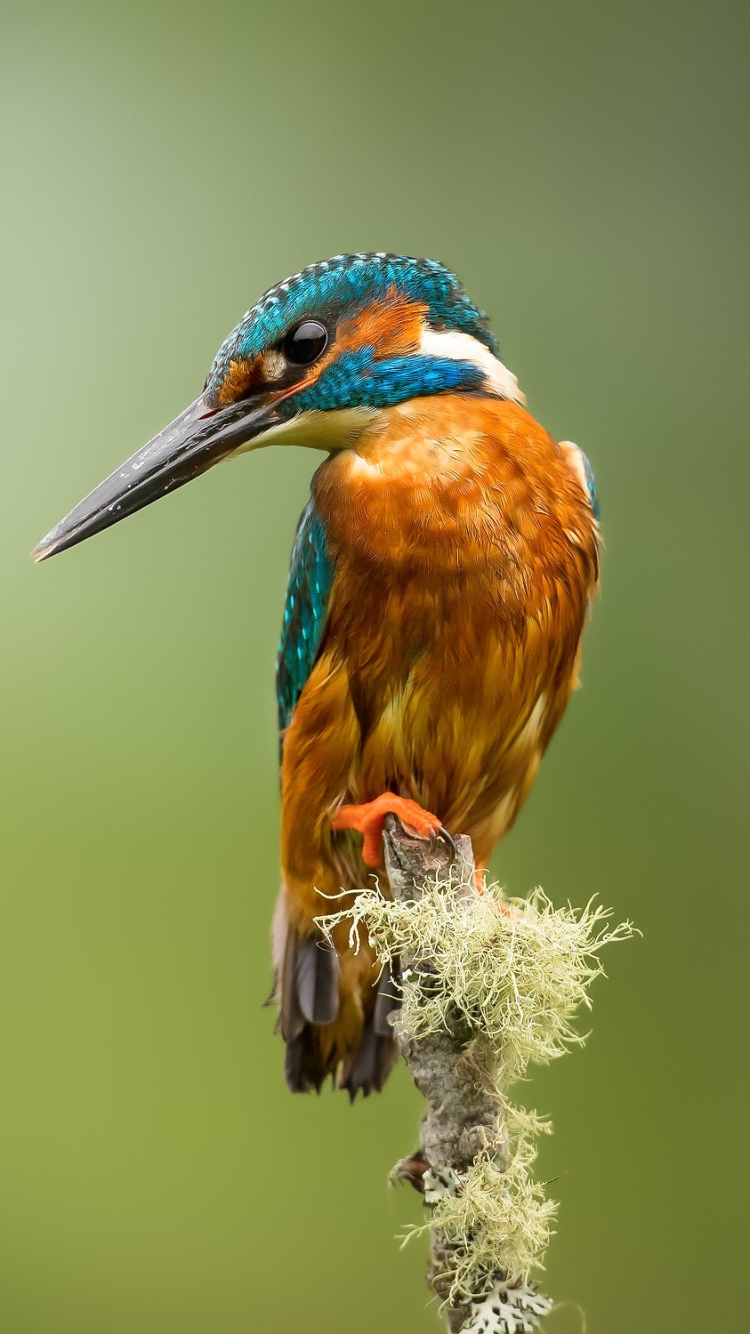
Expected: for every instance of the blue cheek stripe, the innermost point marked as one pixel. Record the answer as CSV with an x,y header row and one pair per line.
x,y
356,379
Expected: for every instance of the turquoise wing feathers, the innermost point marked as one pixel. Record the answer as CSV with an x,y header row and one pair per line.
x,y
307,597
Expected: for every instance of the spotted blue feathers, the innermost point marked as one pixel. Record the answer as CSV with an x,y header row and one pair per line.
x,y
325,290
308,589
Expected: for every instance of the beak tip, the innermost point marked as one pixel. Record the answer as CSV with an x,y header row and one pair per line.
x,y
43,550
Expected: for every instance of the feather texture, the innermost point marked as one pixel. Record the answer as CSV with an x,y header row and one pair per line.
x,y
308,589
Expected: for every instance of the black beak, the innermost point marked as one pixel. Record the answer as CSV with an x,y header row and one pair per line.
x,y
191,444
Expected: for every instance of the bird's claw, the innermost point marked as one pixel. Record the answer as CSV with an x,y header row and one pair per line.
x,y
442,833
449,842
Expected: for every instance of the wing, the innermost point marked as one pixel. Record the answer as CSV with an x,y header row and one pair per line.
x,y
307,594
581,466
591,487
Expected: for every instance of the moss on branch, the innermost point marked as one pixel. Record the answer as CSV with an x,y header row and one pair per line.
x,y
489,984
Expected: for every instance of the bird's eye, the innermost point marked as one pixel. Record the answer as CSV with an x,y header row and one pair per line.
x,y
305,343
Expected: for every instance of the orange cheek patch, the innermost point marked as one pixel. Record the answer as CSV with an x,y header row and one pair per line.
x,y
393,327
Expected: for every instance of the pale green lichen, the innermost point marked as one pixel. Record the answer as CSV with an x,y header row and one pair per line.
x,y
492,1217
514,972
516,969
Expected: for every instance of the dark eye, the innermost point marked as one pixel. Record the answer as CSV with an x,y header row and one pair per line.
x,y
305,343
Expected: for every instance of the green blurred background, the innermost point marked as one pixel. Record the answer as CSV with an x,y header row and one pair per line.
x,y
580,165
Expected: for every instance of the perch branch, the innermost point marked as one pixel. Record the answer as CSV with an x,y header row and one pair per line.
x,y
454,1070
488,984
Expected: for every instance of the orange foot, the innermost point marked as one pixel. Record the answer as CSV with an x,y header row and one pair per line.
x,y
369,820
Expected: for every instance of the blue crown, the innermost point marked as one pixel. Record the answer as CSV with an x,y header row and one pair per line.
x,y
341,284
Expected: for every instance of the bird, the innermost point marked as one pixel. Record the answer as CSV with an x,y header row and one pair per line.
x,y
441,576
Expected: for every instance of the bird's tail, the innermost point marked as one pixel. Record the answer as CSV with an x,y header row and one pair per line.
x,y
334,1010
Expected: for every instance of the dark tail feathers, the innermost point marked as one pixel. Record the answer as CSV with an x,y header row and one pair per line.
x,y
309,1000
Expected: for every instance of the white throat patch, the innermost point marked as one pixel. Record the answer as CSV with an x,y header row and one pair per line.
x,y
463,347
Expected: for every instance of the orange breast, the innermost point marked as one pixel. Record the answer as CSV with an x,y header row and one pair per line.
x,y
465,553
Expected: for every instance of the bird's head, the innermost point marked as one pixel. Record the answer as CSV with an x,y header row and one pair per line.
x,y
314,362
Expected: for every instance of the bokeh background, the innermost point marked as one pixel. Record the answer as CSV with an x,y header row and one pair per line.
x,y
581,166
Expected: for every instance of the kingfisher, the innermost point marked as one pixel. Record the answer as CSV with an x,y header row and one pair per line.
x,y
440,580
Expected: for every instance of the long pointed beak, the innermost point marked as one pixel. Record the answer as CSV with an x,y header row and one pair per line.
x,y
191,444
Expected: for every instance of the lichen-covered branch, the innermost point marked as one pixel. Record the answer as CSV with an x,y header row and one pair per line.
x,y
488,984
465,1130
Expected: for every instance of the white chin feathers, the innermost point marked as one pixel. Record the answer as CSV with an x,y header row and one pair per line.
x,y
462,347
